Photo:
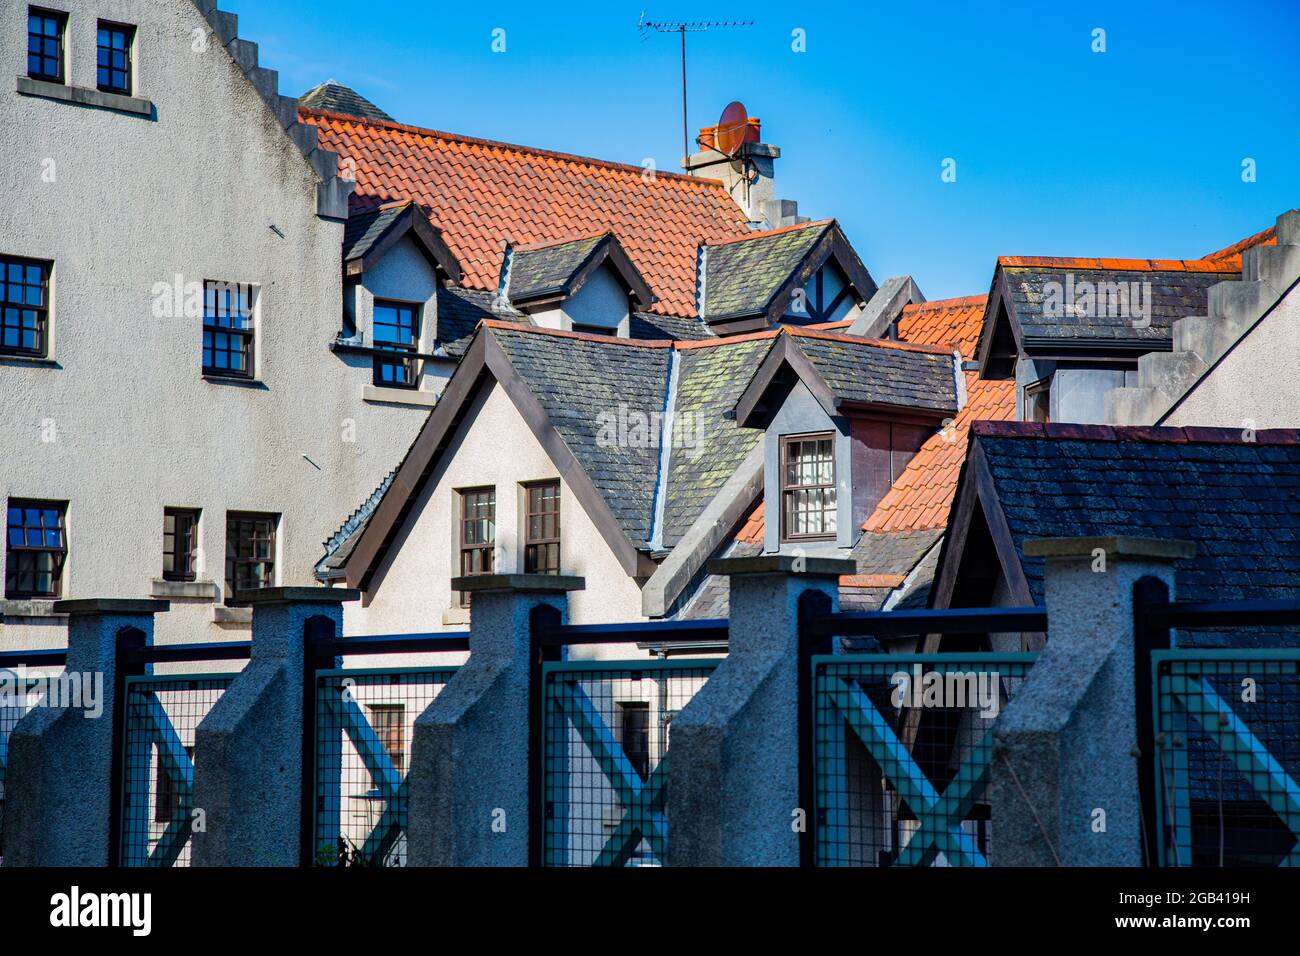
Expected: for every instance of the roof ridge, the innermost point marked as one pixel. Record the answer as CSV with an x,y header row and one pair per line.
x,y
502,144
956,302
551,243
1228,252
807,333
1187,434
1120,265
794,227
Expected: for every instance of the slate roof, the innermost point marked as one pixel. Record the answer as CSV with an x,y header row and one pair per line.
x,y
871,372
647,325
596,390
461,310
1177,289
334,97
341,542
362,231
743,275
1238,501
550,268
480,192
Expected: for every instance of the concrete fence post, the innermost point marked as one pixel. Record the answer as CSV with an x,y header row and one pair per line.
x,y
472,770
62,784
252,752
734,771
1064,781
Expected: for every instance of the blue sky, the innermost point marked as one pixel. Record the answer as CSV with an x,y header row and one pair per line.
x,y
1136,151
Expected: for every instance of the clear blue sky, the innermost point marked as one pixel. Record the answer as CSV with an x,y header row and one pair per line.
x,y
1136,151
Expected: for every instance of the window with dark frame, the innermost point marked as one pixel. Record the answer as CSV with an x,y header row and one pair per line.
x,y
180,541
24,306
634,721
478,535
396,329
228,329
1038,401
113,55
36,547
542,528
45,30
250,551
389,722
808,499
167,799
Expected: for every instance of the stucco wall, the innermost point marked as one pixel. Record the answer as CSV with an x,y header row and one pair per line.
x,y
121,423
602,301
1257,384
411,590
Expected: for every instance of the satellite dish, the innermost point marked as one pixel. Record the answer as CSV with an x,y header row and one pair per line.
x,y
732,129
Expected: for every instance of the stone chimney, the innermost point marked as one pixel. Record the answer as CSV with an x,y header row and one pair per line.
x,y
748,175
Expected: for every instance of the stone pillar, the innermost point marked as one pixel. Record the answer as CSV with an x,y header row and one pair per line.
x,y
249,769
469,782
60,785
733,771
1065,748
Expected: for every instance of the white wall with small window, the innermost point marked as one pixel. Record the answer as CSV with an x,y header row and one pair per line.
x,y
599,307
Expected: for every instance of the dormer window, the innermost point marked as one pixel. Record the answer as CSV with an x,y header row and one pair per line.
x,y
808,500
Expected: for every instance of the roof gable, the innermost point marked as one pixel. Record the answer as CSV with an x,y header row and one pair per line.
x,y
481,193
545,272
368,236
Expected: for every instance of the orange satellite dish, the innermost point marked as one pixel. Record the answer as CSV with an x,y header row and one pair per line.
x,y
732,129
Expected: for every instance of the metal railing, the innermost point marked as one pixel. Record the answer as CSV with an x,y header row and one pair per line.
x,y
360,723
599,733
894,777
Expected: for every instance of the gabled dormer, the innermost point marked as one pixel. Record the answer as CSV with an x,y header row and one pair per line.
x,y
842,417
576,285
798,275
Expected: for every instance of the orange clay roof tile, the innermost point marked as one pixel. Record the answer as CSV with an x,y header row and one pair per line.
x,y
480,193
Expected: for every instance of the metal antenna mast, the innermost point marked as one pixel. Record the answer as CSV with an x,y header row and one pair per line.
x,y
698,26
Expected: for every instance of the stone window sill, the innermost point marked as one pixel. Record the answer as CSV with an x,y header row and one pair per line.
x,y
455,615
83,96
232,616
200,590
236,380
32,361
399,396
29,607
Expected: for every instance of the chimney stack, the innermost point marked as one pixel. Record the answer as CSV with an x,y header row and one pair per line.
x,y
745,165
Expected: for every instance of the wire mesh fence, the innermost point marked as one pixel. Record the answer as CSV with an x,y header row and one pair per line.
x,y
901,755
160,720
1228,757
15,701
606,733
365,720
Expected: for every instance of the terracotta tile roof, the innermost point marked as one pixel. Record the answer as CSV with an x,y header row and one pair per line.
x,y
923,493
1123,265
953,323
1232,254
480,193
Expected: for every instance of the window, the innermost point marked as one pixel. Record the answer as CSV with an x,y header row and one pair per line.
x,y
1038,401
396,329
228,329
180,539
114,57
167,799
478,534
542,531
45,44
808,487
24,306
634,720
35,549
389,722
250,551
595,329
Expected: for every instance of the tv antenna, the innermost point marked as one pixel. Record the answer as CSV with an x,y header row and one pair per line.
x,y
681,29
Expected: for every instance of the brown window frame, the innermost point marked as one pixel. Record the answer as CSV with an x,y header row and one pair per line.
x,y
245,335
14,552
402,355
15,309
233,562
630,734
535,544
189,570
465,549
391,731
789,491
